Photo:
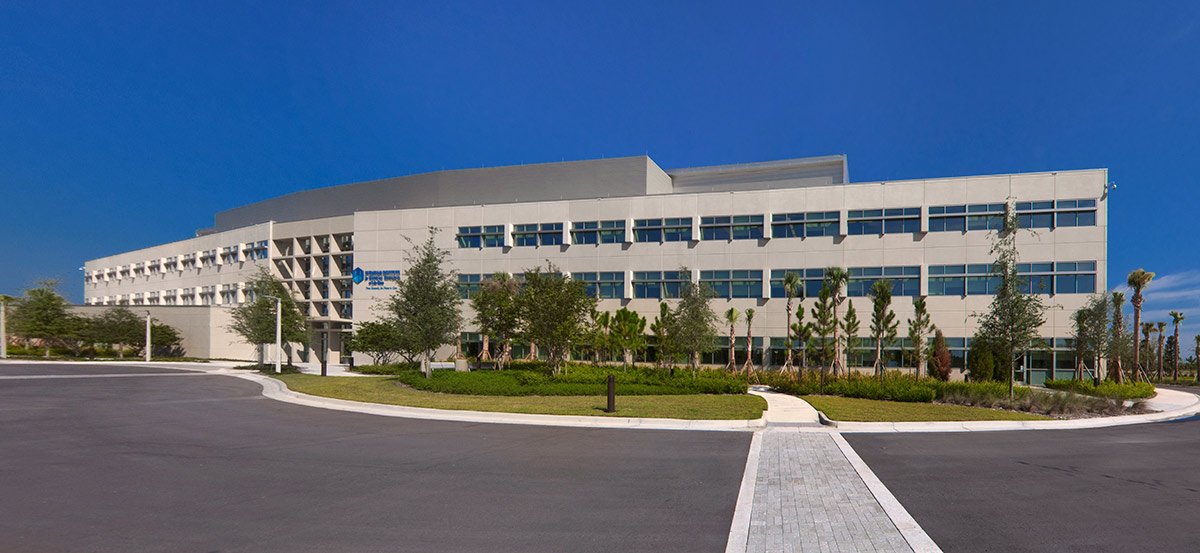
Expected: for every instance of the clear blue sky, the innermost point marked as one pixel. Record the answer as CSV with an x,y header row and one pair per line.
x,y
130,124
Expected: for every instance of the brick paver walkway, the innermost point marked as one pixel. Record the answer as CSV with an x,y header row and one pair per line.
x,y
808,498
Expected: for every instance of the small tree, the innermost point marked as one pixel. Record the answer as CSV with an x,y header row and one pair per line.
x,y
1091,333
121,327
1138,281
425,303
1014,317
941,357
981,364
628,334
695,324
919,326
1161,327
496,314
802,333
749,365
850,327
255,321
1177,319
836,278
792,287
883,321
824,326
599,335
1118,342
381,340
41,314
731,317
554,313
664,347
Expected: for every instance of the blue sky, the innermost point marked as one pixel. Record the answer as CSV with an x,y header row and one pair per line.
x,y
129,124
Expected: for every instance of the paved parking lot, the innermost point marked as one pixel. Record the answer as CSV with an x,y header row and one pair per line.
x,y
205,463
1121,489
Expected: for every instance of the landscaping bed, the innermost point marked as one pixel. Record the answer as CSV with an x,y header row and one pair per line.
x,y
870,410
393,391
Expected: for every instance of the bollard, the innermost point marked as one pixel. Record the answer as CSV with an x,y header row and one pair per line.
x,y
612,394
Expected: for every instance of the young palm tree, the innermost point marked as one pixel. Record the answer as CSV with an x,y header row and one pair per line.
x,y
837,278
1138,280
1161,327
749,366
731,317
1177,318
1145,348
1117,343
791,287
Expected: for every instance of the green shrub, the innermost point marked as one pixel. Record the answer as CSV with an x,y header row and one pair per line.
x,y
390,369
535,379
1106,389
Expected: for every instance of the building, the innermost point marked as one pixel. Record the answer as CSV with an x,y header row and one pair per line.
x,y
627,227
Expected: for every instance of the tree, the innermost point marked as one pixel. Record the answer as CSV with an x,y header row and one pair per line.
x,y
1090,325
981,364
1198,358
1138,281
41,314
121,327
836,278
165,341
425,303
731,317
1161,327
919,326
1014,317
554,313
664,347
1145,348
792,288
255,321
883,321
850,326
382,340
628,334
1118,342
941,357
749,365
695,323
598,335
1176,319
802,333
496,313
825,325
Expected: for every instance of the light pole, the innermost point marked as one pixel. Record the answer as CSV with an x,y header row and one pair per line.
x,y
278,331
3,335
147,336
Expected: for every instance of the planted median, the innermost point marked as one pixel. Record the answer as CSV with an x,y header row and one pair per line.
x,y
530,388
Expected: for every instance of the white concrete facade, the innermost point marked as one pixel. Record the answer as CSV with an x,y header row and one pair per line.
x,y
376,239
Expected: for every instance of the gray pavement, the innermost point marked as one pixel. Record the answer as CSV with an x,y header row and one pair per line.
x,y
808,498
206,463
1119,489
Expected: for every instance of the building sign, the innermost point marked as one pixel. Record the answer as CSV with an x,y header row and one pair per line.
x,y
377,280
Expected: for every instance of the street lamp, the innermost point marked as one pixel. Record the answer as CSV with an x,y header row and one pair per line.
x,y
278,331
147,336
3,335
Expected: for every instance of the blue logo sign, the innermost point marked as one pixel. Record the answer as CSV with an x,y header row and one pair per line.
x,y
358,275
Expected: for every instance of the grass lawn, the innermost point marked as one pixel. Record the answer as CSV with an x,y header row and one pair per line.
x,y
386,390
870,410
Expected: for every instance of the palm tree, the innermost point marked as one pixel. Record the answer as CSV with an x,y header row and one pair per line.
x,y
1161,327
791,287
837,278
731,317
1177,318
749,366
1138,280
1147,328
1117,342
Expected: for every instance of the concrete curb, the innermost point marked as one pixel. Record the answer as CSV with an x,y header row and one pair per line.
x,y
993,426
739,530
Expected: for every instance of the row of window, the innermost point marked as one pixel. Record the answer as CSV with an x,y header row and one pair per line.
x,y
907,220
944,280
230,254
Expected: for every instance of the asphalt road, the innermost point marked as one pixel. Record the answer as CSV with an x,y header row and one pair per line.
x,y
205,463
1130,488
